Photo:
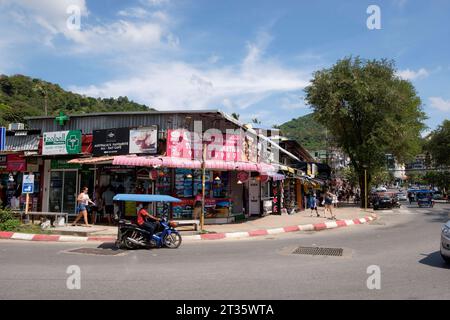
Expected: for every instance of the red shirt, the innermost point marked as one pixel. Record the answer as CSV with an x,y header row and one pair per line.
x,y
141,214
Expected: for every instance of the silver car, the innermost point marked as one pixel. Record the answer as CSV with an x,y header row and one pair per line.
x,y
445,242
401,196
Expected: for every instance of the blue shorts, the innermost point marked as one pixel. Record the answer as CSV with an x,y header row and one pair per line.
x,y
81,208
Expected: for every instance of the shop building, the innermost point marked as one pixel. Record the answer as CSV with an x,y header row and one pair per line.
x,y
164,153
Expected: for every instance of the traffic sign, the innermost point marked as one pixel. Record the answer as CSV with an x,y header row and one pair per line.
x,y
28,183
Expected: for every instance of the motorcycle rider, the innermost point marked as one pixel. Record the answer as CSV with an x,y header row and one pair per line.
x,y
147,221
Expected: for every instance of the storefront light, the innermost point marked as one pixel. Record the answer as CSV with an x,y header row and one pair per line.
x,y
189,176
239,182
217,178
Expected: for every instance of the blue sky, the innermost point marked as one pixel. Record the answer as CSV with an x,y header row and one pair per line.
x,y
249,57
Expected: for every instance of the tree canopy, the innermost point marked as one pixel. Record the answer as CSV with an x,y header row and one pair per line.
x,y
369,111
438,144
22,96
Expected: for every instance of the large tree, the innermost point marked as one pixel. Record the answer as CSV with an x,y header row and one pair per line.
x,y
369,111
438,144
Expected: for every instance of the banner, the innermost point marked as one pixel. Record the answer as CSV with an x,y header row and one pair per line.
x,y
185,144
62,142
111,142
144,140
2,139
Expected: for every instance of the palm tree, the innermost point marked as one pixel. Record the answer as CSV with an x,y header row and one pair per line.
x,y
235,115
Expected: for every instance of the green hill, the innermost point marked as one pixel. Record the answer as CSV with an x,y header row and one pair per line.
x,y
22,96
310,134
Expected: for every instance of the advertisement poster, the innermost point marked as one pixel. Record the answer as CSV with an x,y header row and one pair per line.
x,y
111,142
62,142
144,140
185,144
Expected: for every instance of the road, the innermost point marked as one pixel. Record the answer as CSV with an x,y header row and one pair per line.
x,y
404,244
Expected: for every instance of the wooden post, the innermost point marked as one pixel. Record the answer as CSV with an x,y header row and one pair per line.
x,y
26,204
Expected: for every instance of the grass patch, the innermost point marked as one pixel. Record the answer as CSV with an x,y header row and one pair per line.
x,y
31,228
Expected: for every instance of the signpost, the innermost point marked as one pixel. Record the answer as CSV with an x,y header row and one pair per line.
x,y
27,188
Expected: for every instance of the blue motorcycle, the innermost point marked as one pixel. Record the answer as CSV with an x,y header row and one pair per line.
x,y
132,236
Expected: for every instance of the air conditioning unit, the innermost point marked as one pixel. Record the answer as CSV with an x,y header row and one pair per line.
x,y
16,126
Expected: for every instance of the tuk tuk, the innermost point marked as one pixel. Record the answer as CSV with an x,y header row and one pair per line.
x,y
132,236
424,198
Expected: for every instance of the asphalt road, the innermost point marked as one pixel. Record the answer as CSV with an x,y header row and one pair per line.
x,y
404,244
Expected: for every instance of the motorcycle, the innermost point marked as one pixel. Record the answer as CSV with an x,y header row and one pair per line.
x,y
131,236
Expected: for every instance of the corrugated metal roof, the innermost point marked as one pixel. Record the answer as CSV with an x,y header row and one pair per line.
x,y
22,143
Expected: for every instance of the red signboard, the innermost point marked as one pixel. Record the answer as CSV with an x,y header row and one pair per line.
x,y
16,163
185,144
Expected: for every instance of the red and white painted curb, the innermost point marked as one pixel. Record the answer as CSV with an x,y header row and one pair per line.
x,y
51,237
266,232
208,236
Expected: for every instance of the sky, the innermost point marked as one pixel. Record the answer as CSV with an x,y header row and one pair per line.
x,y
251,57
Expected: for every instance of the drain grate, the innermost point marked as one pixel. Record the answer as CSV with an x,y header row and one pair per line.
x,y
318,251
97,251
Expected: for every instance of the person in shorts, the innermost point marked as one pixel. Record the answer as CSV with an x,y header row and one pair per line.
x,y
108,203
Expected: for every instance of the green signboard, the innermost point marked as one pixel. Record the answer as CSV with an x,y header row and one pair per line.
x,y
62,142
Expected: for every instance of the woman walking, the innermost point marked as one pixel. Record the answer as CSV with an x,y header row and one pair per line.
x,y
329,204
83,202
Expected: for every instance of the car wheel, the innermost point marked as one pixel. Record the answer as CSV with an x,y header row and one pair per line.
x,y
445,258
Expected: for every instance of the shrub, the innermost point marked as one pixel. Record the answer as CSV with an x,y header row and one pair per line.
x,y
10,225
6,215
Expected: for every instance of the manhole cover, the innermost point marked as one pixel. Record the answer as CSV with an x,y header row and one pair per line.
x,y
318,251
97,251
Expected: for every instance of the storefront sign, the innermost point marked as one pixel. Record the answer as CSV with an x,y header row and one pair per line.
x,y
62,142
62,164
242,176
2,139
185,144
15,163
111,142
144,140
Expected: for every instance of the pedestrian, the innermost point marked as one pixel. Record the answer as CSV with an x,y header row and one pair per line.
x,y
312,203
335,200
197,205
328,204
108,203
83,203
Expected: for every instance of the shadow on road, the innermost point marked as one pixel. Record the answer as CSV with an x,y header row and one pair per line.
x,y
434,260
108,246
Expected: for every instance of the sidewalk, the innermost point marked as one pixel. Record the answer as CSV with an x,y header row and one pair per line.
x,y
272,224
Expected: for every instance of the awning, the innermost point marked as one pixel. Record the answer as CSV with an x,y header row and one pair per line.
x,y
22,143
171,162
274,176
94,160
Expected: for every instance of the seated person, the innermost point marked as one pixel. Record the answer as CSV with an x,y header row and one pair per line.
x,y
147,221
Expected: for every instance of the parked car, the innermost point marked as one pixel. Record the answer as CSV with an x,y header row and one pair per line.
x,y
381,189
385,201
402,197
445,242
438,196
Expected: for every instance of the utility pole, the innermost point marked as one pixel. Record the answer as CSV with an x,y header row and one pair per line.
x,y
202,215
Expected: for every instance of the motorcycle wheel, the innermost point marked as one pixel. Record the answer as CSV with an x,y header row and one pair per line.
x,y
172,241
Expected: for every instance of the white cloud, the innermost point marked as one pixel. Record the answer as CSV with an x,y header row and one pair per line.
x,y
440,104
408,74
176,84
292,102
48,20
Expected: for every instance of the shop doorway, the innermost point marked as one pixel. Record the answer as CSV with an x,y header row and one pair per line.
x,y
63,191
254,197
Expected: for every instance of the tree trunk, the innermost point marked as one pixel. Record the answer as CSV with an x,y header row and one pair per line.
x,y
362,188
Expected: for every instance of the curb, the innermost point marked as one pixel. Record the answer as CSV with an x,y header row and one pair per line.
x,y
266,232
209,236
